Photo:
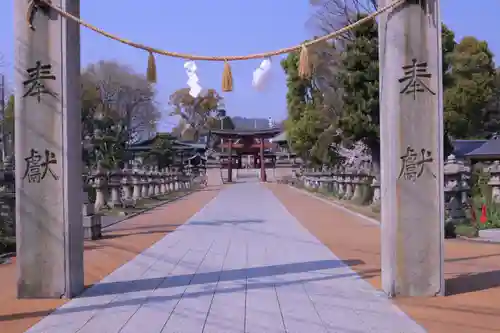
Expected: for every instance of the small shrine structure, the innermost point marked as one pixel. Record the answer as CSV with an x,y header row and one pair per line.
x,y
252,143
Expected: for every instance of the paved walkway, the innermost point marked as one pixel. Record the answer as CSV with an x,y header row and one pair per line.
x,y
472,269
242,264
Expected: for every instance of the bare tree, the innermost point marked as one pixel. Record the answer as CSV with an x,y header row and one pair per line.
x,y
123,95
195,112
331,15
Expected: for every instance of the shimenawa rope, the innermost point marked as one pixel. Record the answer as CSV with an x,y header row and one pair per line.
x,y
304,66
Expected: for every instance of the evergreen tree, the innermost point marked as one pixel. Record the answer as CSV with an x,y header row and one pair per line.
x,y
358,75
472,86
308,119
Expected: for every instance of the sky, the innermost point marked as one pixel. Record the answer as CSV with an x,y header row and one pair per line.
x,y
222,27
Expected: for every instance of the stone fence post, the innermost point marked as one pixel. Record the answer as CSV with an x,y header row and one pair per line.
x,y
377,194
127,187
151,184
92,227
100,185
163,181
144,183
136,184
114,184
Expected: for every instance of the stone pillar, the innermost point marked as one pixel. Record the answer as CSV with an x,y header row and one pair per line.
x,y
263,177
151,182
230,160
115,186
170,182
92,228
127,186
348,185
163,181
376,197
48,153
136,181
100,185
144,183
411,140
357,182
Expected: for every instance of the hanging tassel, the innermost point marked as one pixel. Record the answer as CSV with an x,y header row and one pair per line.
x,y
304,64
151,73
227,78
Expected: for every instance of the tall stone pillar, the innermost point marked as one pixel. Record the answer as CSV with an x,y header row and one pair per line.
x,y
48,153
411,134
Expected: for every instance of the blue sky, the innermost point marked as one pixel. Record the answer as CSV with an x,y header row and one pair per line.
x,y
223,27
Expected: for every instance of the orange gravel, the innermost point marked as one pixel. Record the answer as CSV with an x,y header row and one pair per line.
x,y
472,269
102,257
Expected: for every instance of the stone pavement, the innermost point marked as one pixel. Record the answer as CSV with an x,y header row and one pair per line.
x,y
241,264
120,244
472,269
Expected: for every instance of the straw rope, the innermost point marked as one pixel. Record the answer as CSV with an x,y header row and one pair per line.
x,y
47,3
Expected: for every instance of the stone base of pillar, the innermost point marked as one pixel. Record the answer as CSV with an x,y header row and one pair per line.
x,y
92,227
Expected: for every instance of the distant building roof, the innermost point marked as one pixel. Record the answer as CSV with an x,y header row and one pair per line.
x,y
282,137
147,144
463,147
488,150
234,134
188,145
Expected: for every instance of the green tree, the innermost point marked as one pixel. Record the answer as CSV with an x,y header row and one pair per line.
x,y
491,123
161,153
308,124
298,125
448,46
358,75
471,90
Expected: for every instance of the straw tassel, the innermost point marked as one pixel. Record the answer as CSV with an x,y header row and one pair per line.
x,y
151,73
304,63
227,78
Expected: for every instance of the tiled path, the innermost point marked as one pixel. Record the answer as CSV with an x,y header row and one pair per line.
x,y
242,264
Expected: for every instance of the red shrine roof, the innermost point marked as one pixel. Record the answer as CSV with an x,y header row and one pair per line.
x,y
237,134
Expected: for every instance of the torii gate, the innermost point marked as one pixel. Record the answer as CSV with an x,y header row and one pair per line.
x,y
48,150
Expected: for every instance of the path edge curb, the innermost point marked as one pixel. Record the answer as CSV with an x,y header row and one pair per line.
x,y
336,205
166,202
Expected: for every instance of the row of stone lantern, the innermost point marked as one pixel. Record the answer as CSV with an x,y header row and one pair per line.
x,y
124,188
353,184
345,184
127,186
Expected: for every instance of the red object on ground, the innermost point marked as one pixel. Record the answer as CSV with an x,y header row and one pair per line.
x,y
483,218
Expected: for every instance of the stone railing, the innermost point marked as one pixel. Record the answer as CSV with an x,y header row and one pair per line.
x,y
124,188
361,187
103,189
358,186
